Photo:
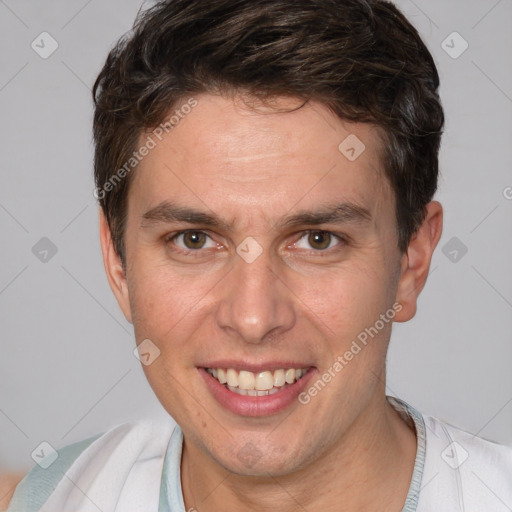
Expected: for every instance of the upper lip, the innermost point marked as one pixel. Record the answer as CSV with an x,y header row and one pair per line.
x,y
254,367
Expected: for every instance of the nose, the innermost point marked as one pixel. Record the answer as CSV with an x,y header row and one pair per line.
x,y
255,303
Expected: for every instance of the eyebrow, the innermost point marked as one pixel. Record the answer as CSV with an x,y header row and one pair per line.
x,y
346,212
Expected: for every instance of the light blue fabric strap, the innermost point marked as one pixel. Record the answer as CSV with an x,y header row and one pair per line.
x,y
37,486
411,502
171,494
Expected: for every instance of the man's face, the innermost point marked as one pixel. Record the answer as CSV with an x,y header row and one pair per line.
x,y
256,286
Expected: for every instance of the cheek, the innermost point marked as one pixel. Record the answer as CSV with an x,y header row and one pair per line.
x,y
348,299
162,301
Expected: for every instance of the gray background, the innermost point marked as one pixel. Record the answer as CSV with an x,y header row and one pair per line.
x,y
67,370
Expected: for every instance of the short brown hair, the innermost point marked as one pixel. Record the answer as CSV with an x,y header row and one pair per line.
x,y
360,58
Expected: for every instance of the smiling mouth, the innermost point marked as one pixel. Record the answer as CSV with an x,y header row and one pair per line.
x,y
264,383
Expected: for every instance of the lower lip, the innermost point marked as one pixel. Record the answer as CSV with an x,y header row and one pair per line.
x,y
256,405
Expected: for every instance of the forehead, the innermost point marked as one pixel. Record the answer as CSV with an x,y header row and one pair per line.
x,y
228,154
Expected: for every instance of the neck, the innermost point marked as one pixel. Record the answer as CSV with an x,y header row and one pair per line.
x,y
370,468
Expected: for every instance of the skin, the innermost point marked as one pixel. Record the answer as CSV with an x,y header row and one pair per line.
x,y
8,483
347,449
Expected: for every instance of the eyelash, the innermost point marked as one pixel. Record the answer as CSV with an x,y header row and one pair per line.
x,y
342,239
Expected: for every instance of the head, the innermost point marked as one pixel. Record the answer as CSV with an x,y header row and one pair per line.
x,y
265,171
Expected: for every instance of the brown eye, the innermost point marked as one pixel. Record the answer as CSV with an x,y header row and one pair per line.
x,y
319,239
191,243
194,239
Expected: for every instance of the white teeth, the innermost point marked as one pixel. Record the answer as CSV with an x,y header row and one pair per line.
x,y
260,384
264,381
250,392
232,377
221,376
279,378
246,380
290,376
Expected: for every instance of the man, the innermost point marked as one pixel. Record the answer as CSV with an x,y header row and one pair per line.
x,y
265,171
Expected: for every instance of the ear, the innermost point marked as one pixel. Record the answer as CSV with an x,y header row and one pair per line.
x,y
114,268
415,263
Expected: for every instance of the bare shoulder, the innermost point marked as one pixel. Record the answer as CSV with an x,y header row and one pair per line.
x,y
8,483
